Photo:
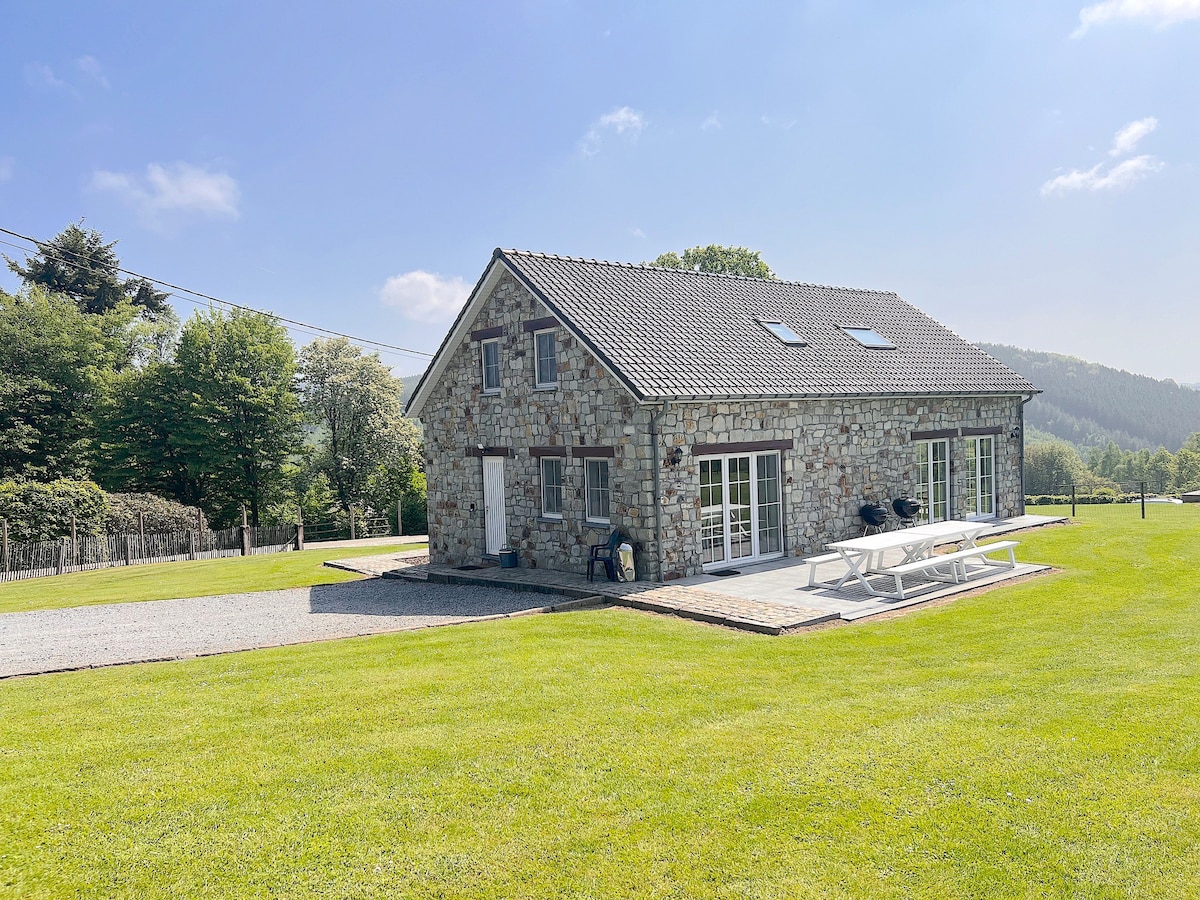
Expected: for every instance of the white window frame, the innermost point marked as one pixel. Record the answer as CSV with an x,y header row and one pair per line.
x,y
925,482
603,491
538,380
981,484
719,515
483,352
547,484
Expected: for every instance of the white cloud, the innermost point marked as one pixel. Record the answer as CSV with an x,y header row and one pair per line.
x,y
637,232
1125,140
1123,175
1162,13
6,167
1118,175
90,66
425,297
712,122
178,188
776,122
622,121
40,75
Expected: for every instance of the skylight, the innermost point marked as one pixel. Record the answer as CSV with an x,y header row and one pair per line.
x,y
869,337
784,333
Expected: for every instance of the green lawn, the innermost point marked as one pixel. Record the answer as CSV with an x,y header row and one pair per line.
x,y
1034,741
202,578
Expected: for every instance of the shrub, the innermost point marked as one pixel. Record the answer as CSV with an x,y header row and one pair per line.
x,y
42,512
1105,495
159,514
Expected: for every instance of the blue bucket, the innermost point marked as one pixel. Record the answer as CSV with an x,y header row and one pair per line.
x,y
508,559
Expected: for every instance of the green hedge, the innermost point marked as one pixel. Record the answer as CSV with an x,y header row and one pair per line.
x,y
159,514
42,512
1081,499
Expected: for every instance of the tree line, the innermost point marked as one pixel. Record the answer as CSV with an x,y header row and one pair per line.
x,y
100,381
1051,467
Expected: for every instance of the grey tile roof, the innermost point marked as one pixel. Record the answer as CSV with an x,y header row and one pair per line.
x,y
672,333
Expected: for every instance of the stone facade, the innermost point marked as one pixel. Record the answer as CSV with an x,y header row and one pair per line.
x,y
588,410
843,452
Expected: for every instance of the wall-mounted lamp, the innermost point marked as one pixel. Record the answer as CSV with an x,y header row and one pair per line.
x,y
674,456
1015,434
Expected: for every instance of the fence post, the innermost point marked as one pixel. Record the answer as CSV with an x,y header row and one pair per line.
x,y
126,538
74,542
353,536
1072,501
1143,484
4,539
299,533
245,533
62,558
192,544
400,517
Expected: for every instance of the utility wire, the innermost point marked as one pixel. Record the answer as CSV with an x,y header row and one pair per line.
x,y
46,249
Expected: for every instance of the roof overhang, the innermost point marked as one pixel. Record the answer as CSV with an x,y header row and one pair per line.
x,y
915,395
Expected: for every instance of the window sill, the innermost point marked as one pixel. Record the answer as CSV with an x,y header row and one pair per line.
x,y
597,523
551,520
545,387
493,392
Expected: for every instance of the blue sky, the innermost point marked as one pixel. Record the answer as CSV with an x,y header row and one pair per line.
x,y
1025,172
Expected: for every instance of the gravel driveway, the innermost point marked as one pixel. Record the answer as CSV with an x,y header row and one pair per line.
x,y
82,637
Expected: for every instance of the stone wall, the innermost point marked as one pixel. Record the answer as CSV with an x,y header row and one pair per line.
x,y
844,453
589,407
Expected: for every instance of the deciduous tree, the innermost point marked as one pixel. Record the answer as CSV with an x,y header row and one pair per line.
x,y
53,361
718,259
236,373
365,447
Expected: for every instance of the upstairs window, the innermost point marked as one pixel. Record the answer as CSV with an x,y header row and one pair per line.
x,y
491,367
783,332
870,338
545,348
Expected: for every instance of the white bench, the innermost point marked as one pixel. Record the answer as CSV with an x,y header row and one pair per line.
x,y
960,557
957,561
814,561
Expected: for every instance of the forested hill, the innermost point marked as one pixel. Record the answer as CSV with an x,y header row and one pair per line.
x,y
1089,404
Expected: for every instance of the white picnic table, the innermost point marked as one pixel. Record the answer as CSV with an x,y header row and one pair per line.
x,y
865,555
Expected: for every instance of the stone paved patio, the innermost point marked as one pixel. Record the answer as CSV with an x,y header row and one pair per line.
x,y
770,598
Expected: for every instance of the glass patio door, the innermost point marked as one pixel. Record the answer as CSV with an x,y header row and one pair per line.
x,y
740,508
980,501
933,480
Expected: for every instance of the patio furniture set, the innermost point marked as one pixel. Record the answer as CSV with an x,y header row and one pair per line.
x,y
868,556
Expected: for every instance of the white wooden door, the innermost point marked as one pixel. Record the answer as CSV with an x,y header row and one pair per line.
x,y
495,517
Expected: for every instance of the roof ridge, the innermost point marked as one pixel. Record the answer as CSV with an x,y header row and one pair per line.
x,y
650,268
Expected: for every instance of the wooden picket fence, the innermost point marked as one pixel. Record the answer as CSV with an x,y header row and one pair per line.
x,y
41,558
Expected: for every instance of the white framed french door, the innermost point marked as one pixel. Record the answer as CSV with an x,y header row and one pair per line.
x,y
741,508
980,499
495,514
933,479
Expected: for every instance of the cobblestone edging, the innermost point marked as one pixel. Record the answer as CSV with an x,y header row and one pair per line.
x,y
685,602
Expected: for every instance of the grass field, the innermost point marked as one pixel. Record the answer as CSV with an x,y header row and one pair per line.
x,y
1034,741
166,581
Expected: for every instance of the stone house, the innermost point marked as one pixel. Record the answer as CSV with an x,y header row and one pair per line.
x,y
712,419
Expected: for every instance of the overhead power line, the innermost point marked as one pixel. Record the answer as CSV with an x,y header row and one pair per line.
x,y
45,248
